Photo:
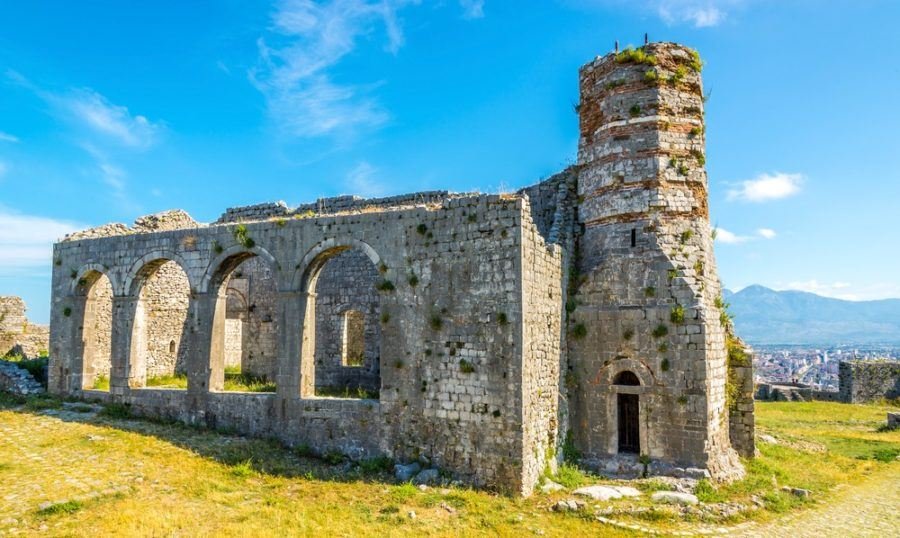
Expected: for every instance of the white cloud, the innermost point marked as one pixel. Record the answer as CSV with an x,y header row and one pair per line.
x,y
766,187
730,238
293,75
361,180
766,233
110,120
472,9
26,240
6,137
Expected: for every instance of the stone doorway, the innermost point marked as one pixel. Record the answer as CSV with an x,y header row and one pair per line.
x,y
629,428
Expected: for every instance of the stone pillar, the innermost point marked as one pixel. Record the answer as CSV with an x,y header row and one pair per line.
x,y
307,381
291,311
125,353
207,371
647,288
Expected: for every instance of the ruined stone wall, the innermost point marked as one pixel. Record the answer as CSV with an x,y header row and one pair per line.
x,y
347,282
97,331
542,339
18,336
451,371
252,327
165,296
647,283
330,206
865,381
741,420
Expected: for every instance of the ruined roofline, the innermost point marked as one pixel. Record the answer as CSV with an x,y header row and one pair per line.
x,y
665,53
164,221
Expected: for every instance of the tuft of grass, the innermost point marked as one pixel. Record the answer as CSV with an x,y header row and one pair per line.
x,y
376,465
168,381
660,331
634,111
466,367
636,56
570,476
242,236
649,291
676,315
385,285
117,411
101,382
243,469
42,403
238,382
436,322
628,334
67,507
502,318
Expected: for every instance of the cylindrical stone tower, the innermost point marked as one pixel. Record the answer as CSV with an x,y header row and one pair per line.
x,y
647,341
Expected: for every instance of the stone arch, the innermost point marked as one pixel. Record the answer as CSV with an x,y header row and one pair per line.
x,y
146,265
228,260
160,287
93,290
85,272
609,372
310,266
349,271
244,345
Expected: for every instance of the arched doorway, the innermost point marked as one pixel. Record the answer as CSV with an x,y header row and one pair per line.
x,y
96,330
628,412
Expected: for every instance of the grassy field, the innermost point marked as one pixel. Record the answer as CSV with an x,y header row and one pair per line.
x,y
74,471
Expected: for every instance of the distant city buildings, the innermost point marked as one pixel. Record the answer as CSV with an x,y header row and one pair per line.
x,y
813,366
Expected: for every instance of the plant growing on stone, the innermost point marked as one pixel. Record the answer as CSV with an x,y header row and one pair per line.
x,y
634,111
686,236
67,311
466,367
385,285
436,322
421,229
649,291
651,76
664,365
217,248
628,334
413,280
637,56
579,331
701,159
644,460
502,319
385,317
695,131
660,331
242,236
677,314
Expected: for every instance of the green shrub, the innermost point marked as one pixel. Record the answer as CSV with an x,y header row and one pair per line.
x,y
660,331
579,331
570,476
634,111
677,314
68,507
502,319
436,322
421,229
41,403
664,365
413,280
570,452
243,469
466,367
333,457
242,236
649,291
651,76
376,465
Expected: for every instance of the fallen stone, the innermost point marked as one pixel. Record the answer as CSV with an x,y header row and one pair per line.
x,y
797,492
405,473
893,421
427,477
627,491
550,486
570,505
695,473
674,497
412,514
598,493
765,438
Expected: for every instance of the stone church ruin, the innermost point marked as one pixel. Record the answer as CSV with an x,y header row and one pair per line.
x,y
481,333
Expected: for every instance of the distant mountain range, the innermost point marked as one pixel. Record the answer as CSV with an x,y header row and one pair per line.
x,y
765,316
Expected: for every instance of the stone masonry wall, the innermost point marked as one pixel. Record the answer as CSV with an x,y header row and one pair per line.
x,y
165,295
451,389
252,338
865,381
18,336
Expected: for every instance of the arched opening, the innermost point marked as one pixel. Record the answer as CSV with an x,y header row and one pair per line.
x,y
96,331
342,331
628,412
159,342
244,350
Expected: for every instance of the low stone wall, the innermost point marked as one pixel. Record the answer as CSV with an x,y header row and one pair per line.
x,y
17,335
865,381
17,380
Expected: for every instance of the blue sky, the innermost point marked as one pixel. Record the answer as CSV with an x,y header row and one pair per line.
x,y
112,110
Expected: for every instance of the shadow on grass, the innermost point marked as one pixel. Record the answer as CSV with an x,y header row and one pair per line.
x,y
246,456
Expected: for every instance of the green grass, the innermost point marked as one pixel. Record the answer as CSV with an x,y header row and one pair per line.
x,y
169,381
347,392
101,382
212,483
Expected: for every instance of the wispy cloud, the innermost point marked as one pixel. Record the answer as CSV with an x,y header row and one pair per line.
x,y
362,180
26,240
6,137
767,187
730,238
697,13
472,9
115,122
309,39
90,114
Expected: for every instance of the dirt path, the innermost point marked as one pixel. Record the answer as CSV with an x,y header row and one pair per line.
x,y
870,509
